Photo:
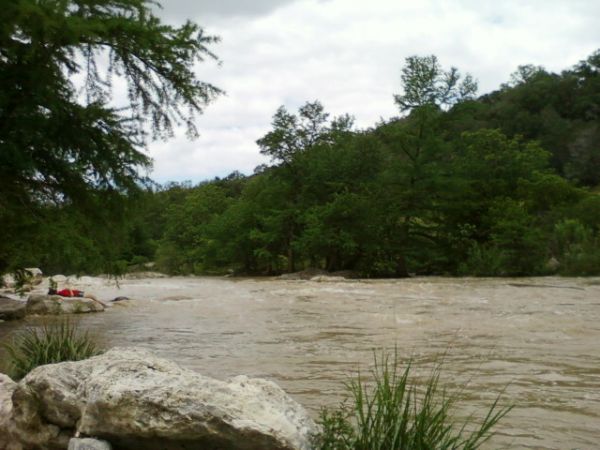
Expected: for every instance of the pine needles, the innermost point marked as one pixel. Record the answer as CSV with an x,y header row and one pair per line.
x,y
35,347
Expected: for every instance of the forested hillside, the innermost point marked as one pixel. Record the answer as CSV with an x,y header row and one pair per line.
x,y
502,184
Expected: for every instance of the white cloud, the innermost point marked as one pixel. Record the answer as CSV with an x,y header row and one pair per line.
x,y
349,54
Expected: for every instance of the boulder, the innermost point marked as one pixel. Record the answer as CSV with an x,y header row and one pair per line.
x,y
134,400
11,309
88,444
8,280
59,278
7,429
55,304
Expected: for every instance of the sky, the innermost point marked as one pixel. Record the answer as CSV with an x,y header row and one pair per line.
x,y
349,54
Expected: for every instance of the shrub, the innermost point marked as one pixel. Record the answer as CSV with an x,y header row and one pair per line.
x,y
395,415
51,344
483,260
577,248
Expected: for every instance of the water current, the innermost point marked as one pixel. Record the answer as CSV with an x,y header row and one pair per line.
x,y
538,339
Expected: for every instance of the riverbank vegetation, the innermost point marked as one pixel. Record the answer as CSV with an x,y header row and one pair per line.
x,y
505,184
52,343
393,413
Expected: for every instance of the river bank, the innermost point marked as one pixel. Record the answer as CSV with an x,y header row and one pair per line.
x,y
537,335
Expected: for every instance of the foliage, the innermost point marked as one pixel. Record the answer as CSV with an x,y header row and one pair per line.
x,y
577,247
443,190
498,185
51,344
395,413
62,144
426,83
23,278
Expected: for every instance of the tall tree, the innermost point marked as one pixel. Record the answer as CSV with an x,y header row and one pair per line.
x,y
424,82
61,141
292,136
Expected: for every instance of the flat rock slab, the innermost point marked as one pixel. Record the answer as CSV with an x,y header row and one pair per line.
x,y
135,400
88,444
55,304
11,309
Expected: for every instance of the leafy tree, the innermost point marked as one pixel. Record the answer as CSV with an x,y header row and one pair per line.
x,y
561,111
292,133
60,143
424,82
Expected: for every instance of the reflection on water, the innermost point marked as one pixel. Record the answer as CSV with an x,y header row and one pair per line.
x,y
538,338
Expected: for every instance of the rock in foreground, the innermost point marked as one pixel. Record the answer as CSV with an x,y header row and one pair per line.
x,y
135,400
55,304
7,387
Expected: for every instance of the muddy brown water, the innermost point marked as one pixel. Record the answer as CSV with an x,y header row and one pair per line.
x,y
537,338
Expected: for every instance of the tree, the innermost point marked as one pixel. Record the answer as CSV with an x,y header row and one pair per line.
x,y
291,137
292,133
424,82
62,142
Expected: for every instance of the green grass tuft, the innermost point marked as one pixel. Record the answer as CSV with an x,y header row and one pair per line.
x,y
393,414
35,347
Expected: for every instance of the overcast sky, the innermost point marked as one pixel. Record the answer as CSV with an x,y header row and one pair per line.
x,y
348,54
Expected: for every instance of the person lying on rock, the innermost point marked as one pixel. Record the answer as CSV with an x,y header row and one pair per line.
x,y
68,292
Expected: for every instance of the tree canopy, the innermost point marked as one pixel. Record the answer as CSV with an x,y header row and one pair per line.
x,y
504,184
63,138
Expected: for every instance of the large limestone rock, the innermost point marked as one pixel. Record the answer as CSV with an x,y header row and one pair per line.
x,y
7,387
11,309
135,400
55,304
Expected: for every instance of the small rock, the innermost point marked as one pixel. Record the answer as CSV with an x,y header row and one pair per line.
x,y
88,444
305,274
7,280
11,309
325,278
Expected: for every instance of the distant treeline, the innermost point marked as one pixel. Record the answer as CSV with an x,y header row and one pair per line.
x,y
504,184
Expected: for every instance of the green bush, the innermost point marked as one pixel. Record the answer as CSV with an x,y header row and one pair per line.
x,y
577,248
51,344
394,414
483,260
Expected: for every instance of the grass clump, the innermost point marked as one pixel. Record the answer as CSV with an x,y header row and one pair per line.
x,y
35,347
393,414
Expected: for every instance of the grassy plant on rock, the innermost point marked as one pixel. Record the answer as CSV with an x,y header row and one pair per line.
x,y
394,413
50,344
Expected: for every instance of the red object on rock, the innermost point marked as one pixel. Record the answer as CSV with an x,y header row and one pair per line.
x,y
70,293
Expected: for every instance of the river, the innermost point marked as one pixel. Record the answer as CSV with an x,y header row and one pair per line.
x,y
537,338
